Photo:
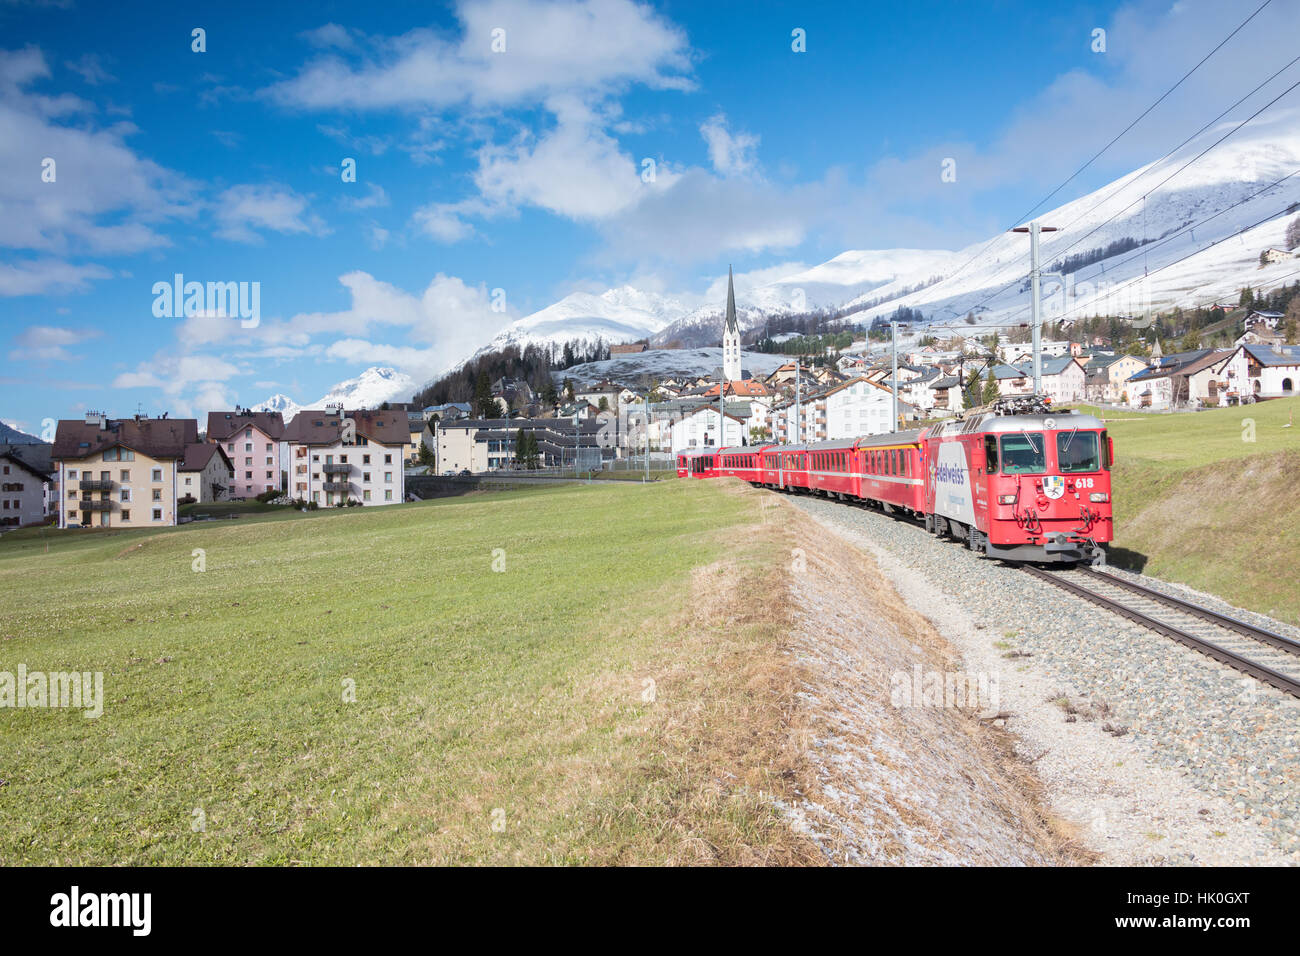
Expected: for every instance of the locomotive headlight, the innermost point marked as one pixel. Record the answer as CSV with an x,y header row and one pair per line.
x,y
1099,496
1006,499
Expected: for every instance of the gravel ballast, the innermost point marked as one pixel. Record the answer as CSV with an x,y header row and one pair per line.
x,y
1156,753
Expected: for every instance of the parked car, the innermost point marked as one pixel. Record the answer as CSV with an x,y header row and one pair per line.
x,y
466,473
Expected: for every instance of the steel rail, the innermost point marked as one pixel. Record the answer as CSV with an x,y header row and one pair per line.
x,y
1263,635
1240,662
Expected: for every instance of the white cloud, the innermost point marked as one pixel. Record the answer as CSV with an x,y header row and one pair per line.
x,y
91,69
567,46
104,198
42,276
731,154
48,343
243,210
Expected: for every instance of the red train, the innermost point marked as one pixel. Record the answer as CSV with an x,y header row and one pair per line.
x,y
1014,481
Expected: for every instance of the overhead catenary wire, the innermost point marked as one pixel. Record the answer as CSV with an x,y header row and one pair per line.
x,y
1115,139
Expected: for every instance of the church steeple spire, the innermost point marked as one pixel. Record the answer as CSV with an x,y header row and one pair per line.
x,y
730,325
731,335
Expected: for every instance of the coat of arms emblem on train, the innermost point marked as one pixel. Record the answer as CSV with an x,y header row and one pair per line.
x,y
1054,486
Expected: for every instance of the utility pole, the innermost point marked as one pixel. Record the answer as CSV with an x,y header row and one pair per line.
x,y
798,406
893,391
647,436
1036,306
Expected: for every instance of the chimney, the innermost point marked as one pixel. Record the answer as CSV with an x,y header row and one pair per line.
x,y
96,418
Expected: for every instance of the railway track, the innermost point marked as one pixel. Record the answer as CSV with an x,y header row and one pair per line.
x,y
1263,654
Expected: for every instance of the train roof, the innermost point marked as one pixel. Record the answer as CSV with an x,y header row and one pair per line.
x,y
990,422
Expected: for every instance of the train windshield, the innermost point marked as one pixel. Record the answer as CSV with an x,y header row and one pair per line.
x,y
1023,454
1078,451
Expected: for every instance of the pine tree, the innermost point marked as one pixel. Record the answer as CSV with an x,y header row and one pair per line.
x,y
990,387
521,449
425,456
484,403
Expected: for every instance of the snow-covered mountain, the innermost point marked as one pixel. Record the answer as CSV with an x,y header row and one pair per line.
x,y
616,315
1195,232
370,389
13,436
283,404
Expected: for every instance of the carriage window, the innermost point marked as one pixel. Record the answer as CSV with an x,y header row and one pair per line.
x,y
1077,451
904,456
991,454
1023,454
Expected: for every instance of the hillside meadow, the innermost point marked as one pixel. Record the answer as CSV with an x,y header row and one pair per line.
x,y
362,686
1212,500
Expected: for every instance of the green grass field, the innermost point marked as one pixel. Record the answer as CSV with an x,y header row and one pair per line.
x,y
482,697
1210,499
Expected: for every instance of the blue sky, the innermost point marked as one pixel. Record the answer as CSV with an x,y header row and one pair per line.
x,y
520,169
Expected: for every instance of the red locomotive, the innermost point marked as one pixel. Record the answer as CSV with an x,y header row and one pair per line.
x,y
1014,481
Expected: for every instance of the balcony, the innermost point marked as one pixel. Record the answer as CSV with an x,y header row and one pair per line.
x,y
88,504
336,468
95,484
336,486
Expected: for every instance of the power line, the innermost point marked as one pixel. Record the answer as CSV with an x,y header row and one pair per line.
x,y
1176,172
1116,139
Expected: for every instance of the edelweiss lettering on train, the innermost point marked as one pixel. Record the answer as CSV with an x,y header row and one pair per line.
x,y
946,474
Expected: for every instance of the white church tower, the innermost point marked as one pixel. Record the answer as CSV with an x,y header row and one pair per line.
x,y
730,336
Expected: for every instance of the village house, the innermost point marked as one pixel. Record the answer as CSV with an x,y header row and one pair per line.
x,y
1107,377
481,445
1254,372
1063,379
1165,382
25,483
120,472
206,473
349,456
698,428
255,443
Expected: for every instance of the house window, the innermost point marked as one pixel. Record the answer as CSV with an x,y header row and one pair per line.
x,y
365,476
248,433
248,461
72,513
248,476
72,473
315,496
157,474
125,474
365,460
157,494
126,494
157,514
230,446
268,476
187,480
388,476
126,514
388,459
366,494
388,495
268,446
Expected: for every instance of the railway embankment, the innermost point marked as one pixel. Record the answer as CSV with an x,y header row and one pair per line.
x,y
1154,753
905,757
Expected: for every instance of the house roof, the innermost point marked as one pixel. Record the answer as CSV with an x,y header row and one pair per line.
x,y
1179,363
1271,355
19,462
35,457
155,437
199,454
223,425
1050,366
323,427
